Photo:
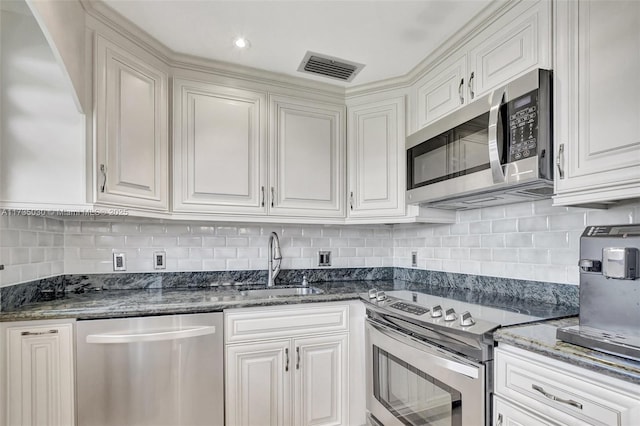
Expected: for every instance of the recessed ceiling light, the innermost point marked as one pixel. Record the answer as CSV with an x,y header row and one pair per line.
x,y
241,43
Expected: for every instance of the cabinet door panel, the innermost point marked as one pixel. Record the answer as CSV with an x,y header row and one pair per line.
x,y
258,384
219,149
519,45
442,90
131,129
597,107
40,375
376,159
321,380
307,148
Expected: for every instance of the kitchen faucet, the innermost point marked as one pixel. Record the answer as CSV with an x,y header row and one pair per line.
x,y
274,254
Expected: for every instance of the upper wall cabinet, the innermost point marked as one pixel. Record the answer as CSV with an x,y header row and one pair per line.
x,y
597,108
219,149
376,157
307,150
131,127
517,41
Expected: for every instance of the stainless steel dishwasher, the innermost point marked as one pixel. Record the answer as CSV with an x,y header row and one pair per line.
x,y
162,370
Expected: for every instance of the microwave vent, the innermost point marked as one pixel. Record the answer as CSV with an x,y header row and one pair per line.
x,y
329,66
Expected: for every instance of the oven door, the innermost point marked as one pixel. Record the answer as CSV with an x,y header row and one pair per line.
x,y
410,382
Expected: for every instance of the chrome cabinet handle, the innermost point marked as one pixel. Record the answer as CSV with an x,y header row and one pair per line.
x,y
470,85
262,202
286,354
494,155
38,333
555,398
560,160
103,169
297,357
351,200
272,196
460,91
499,421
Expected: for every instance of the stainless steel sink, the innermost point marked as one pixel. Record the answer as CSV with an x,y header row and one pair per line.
x,y
277,292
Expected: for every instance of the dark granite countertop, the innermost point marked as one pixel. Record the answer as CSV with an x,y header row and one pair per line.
x,y
541,338
111,303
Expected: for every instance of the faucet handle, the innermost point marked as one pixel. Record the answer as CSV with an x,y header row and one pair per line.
x,y
305,282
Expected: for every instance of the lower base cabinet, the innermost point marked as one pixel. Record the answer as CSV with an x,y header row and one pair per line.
x,y
288,366
531,389
37,374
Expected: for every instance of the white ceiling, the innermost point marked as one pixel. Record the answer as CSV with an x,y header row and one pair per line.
x,y
389,36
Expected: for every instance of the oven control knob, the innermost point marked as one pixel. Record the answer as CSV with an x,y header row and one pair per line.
x,y
450,315
466,319
436,311
373,293
381,296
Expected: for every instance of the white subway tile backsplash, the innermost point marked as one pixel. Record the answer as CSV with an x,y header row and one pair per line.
x,y
522,239
526,241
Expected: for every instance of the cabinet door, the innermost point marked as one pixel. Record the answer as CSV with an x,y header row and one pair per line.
x,y
40,376
219,149
376,159
441,90
321,387
517,42
258,383
307,158
507,414
131,128
597,107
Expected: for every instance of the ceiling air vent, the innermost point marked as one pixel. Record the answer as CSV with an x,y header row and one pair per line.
x,y
328,66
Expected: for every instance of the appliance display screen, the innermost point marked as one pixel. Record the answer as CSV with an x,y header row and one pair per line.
x,y
519,103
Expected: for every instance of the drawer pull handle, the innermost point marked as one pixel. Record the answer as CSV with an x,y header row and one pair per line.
x,y
103,170
499,422
38,333
555,398
298,358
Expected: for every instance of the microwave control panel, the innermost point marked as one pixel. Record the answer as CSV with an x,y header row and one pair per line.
x,y
523,126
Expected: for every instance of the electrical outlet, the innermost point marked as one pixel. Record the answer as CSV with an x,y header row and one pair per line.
x,y
414,258
160,260
119,262
324,258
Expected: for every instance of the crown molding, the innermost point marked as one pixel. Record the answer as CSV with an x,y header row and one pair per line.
x,y
104,14
478,23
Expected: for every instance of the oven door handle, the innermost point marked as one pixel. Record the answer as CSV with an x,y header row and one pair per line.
x,y
497,98
440,359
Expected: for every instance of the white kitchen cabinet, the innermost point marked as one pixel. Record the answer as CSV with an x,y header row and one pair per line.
x,y
596,103
560,392
131,127
320,380
515,40
376,166
506,413
442,89
257,385
219,149
38,371
307,151
290,366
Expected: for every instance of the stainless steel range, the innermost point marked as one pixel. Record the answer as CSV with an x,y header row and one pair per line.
x,y
609,291
429,358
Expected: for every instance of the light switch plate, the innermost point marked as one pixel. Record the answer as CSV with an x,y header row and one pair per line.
x,y
119,262
159,260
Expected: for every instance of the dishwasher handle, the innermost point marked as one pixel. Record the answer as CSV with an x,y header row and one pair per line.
x,y
157,336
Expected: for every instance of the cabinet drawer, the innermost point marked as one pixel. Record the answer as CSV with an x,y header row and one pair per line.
x,y
284,321
548,386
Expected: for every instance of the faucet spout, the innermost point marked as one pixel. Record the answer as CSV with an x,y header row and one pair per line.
x,y
275,256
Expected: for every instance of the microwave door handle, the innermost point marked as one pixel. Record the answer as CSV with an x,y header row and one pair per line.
x,y
494,154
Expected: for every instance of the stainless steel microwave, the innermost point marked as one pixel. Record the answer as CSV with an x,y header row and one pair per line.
x,y
495,150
